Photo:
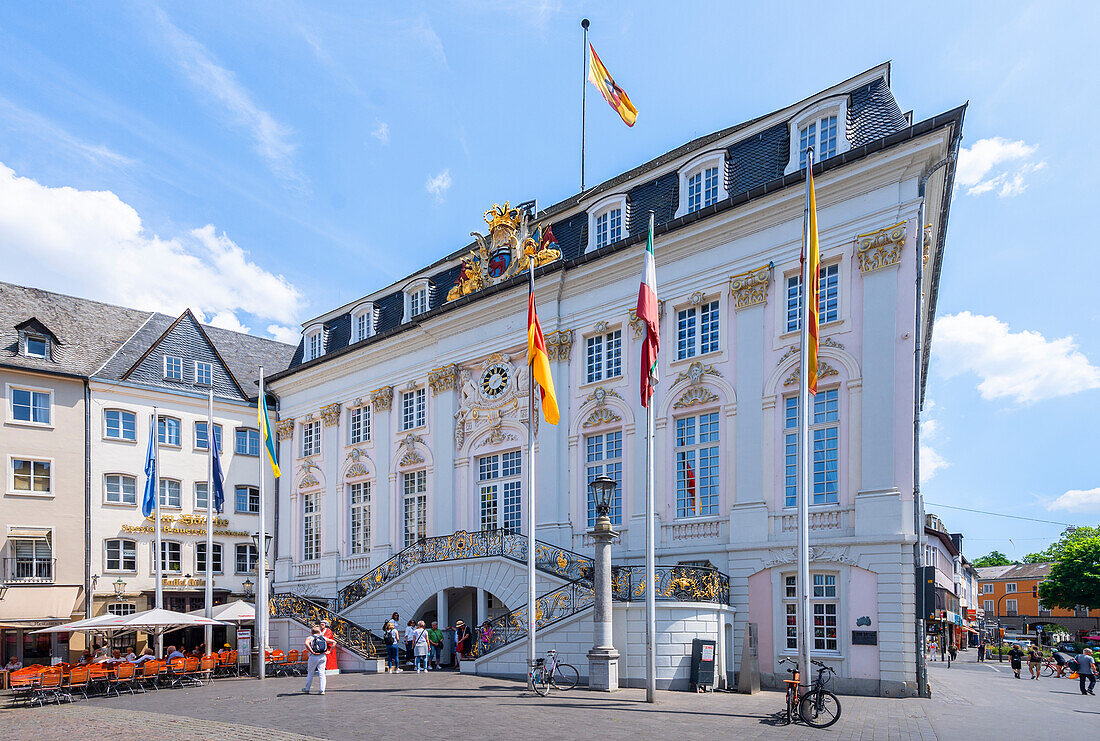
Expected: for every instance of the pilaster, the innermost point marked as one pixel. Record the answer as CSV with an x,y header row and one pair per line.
x,y
443,382
383,508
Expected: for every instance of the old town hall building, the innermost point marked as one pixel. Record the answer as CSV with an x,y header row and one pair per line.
x,y
403,415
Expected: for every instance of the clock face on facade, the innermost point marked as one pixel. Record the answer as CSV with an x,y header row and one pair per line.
x,y
494,381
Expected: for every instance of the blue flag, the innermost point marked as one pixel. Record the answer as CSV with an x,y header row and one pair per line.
x,y
219,490
149,502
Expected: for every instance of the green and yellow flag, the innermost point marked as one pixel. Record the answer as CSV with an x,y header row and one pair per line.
x,y
266,437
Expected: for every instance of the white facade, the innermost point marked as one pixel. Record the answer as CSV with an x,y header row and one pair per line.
x,y
728,370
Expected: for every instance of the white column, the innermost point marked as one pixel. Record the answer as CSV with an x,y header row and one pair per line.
x,y
444,405
385,507
442,616
332,501
482,605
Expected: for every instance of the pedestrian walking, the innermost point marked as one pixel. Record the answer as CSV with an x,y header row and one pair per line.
x,y
409,630
953,651
933,650
435,641
462,641
981,651
420,647
393,642
318,647
1015,656
1086,671
394,618
1034,661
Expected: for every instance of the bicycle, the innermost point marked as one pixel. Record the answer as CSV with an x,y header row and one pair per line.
x,y
551,672
817,707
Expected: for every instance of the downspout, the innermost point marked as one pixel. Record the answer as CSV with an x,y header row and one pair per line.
x,y
918,501
88,606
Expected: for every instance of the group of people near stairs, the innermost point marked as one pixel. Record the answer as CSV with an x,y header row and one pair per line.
x,y
423,645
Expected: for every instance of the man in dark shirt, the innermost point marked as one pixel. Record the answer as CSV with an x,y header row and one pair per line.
x,y
1014,656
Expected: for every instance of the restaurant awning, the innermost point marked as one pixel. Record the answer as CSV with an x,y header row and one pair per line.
x,y
35,606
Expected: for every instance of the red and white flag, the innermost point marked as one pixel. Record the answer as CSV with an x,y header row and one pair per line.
x,y
647,315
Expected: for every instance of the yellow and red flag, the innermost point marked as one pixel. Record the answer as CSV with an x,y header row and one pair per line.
x,y
615,96
811,294
540,362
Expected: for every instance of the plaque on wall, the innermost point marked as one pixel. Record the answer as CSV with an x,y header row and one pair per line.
x,y
864,637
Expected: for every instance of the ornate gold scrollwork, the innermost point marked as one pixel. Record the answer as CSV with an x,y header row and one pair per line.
x,y
443,379
750,288
284,428
881,249
330,414
693,396
823,370
382,399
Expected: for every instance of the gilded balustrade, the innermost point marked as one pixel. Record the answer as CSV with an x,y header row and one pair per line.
x,y
672,583
566,600
348,634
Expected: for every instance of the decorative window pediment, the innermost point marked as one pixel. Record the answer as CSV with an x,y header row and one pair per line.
x,y
607,221
364,320
702,182
418,298
822,125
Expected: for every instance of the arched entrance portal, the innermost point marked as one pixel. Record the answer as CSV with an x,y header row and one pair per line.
x,y
472,605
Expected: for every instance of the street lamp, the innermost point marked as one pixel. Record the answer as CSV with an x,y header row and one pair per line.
x,y
248,587
120,587
267,541
603,659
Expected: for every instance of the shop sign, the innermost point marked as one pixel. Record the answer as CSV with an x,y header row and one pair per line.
x,y
185,525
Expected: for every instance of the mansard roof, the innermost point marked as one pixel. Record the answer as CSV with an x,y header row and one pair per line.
x,y
95,339
756,166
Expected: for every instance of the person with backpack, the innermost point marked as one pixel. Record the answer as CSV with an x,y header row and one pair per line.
x,y
393,641
1034,661
420,647
317,646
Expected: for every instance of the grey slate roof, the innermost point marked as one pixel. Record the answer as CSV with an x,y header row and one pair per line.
x,y
105,341
89,331
1014,571
755,165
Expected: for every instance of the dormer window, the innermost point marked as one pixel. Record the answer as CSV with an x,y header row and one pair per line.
x,y
823,126
702,182
418,296
173,368
204,373
362,322
314,343
36,346
607,222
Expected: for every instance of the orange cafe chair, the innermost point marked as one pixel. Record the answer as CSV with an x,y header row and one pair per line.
x,y
206,668
78,681
49,687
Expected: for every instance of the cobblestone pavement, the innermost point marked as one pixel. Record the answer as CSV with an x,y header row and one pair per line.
x,y
969,701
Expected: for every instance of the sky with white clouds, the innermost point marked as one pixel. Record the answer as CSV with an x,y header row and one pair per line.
x,y
262,162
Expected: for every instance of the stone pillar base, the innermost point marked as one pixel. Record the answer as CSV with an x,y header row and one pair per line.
x,y
603,670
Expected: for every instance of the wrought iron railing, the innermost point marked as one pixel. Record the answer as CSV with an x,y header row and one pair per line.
x,y
464,545
348,634
673,583
30,570
566,600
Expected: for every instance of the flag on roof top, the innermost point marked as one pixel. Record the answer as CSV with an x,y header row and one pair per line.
x,y
615,96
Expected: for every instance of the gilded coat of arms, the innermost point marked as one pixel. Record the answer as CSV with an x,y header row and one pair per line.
x,y
506,251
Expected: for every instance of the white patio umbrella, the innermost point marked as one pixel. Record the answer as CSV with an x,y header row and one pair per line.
x,y
237,611
159,621
97,623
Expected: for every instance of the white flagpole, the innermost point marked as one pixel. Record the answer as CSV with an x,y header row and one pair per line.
x,y
211,442
261,555
158,558
531,491
804,451
650,558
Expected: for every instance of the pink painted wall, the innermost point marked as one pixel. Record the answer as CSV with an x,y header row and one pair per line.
x,y
760,612
863,601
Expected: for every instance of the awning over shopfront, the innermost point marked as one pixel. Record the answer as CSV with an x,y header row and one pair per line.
x,y
29,533
33,606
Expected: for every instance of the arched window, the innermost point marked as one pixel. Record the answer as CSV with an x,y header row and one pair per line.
x,y
702,182
607,222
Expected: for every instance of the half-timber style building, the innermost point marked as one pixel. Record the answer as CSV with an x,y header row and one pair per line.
x,y
403,424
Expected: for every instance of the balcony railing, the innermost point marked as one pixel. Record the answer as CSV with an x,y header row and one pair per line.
x,y
829,517
307,569
29,571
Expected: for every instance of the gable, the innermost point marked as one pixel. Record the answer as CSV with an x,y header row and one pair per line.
x,y
186,340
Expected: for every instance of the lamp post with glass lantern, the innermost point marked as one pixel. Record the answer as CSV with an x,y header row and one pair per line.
x,y
120,587
248,588
603,659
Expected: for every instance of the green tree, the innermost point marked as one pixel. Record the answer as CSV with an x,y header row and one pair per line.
x,y
996,558
1053,552
1075,579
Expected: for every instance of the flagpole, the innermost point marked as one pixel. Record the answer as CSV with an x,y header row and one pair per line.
x,y
650,558
159,557
261,556
584,91
804,451
211,442
531,490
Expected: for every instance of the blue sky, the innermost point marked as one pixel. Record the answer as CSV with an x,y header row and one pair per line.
x,y
263,162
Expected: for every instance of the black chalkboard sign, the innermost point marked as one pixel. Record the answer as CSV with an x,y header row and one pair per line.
x,y
864,637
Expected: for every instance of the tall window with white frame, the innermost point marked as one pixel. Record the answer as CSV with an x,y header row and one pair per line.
x,y
501,491
121,489
120,425
311,438
413,409
415,488
204,373
173,368
247,558
418,302
825,433
30,405
311,528
697,330
604,356
702,189
170,493
828,297
603,456
168,431
359,518
825,606
121,554
697,465
821,135
200,558
315,344
609,227
33,560
358,425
